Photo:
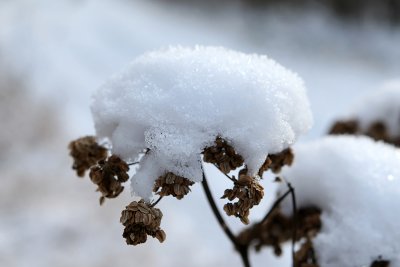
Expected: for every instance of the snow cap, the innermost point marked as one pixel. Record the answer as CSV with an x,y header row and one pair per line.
x,y
355,181
176,101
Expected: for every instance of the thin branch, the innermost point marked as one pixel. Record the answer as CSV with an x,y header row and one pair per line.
x,y
155,203
230,178
294,237
216,212
242,249
275,205
133,163
294,207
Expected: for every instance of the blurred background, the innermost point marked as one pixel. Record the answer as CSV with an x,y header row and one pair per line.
x,y
53,56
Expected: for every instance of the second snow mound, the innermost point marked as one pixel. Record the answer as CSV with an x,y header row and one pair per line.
x,y
176,101
355,181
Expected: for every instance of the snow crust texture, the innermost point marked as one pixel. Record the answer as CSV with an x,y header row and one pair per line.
x,y
381,105
176,101
356,183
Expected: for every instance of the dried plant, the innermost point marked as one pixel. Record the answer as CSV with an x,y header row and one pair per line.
x,y
305,256
223,156
140,220
171,184
377,130
108,175
275,162
278,228
86,152
345,127
380,263
248,192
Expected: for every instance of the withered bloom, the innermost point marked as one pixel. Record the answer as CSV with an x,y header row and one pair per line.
x,y
223,156
378,131
141,220
380,263
108,175
305,256
248,192
275,162
86,152
345,127
278,228
171,184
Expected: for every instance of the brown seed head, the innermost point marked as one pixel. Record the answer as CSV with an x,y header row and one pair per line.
x,y
223,156
108,175
141,220
86,152
171,184
278,228
248,192
275,162
345,127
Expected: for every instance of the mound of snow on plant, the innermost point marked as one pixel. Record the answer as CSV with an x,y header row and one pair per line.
x,y
178,100
356,183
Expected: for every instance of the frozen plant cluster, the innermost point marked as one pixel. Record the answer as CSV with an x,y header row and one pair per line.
x,y
356,183
381,105
176,101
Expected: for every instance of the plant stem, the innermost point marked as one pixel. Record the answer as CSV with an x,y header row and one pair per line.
x,y
242,249
230,178
155,203
274,206
294,205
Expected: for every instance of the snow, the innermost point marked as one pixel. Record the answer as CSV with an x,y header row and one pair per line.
x,y
65,49
356,183
381,105
176,101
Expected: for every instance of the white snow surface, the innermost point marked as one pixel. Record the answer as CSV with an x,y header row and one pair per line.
x,y
381,105
176,101
356,182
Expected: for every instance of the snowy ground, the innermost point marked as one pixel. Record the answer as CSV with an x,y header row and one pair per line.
x,y
65,49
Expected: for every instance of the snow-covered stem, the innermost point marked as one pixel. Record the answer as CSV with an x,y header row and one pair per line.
x,y
243,250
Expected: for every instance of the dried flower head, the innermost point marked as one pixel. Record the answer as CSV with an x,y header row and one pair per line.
x,y
248,192
344,127
275,162
86,152
171,184
305,256
278,228
380,263
108,175
377,130
223,156
141,220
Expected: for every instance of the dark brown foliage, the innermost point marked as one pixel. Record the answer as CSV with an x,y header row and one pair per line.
x,y
248,192
305,256
171,184
223,156
344,127
380,263
86,152
108,175
376,130
275,162
140,220
278,228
